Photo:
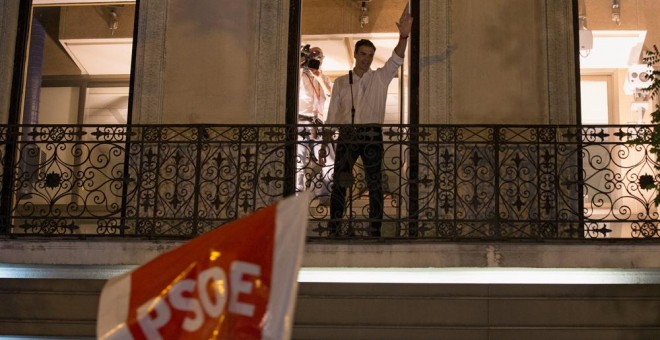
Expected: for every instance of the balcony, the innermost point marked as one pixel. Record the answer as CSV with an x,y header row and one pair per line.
x,y
441,182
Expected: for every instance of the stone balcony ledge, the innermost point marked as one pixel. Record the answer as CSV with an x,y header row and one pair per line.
x,y
359,254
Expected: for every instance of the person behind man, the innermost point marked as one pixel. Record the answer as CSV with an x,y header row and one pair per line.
x,y
314,88
359,99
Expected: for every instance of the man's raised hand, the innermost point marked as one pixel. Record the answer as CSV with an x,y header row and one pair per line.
x,y
405,23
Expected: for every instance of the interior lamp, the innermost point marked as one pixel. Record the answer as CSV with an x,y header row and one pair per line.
x,y
364,17
586,38
616,12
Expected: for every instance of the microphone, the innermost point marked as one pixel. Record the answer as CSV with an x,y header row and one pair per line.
x,y
350,77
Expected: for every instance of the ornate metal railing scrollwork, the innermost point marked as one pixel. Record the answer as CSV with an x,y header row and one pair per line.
x,y
447,182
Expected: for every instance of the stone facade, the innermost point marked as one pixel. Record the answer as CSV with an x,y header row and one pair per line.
x,y
177,79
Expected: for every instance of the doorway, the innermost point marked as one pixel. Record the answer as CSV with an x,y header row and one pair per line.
x,y
335,27
613,37
75,46
77,59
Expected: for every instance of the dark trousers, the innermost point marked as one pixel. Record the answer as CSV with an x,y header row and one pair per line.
x,y
354,142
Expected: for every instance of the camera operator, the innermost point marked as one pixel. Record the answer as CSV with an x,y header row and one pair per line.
x,y
314,89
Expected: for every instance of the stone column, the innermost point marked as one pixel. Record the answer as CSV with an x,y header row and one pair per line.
x,y
459,48
149,62
271,63
434,70
562,83
498,62
8,25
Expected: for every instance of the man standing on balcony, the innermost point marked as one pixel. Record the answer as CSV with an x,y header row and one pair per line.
x,y
359,99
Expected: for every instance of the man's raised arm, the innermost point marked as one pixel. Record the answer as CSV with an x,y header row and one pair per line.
x,y
404,25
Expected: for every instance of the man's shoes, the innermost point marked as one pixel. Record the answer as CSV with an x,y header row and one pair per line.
x,y
333,229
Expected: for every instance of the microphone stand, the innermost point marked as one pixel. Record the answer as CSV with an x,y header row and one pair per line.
x,y
350,81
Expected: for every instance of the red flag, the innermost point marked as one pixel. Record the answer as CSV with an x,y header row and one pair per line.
x,y
237,281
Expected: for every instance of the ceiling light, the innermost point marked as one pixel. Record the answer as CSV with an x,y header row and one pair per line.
x,y
364,17
616,12
113,19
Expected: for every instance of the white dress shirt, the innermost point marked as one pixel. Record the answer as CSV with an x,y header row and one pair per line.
x,y
311,99
369,95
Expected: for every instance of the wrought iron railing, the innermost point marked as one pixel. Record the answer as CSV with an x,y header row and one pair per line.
x,y
443,182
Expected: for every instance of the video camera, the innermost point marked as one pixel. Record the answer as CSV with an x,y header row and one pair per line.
x,y
310,59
